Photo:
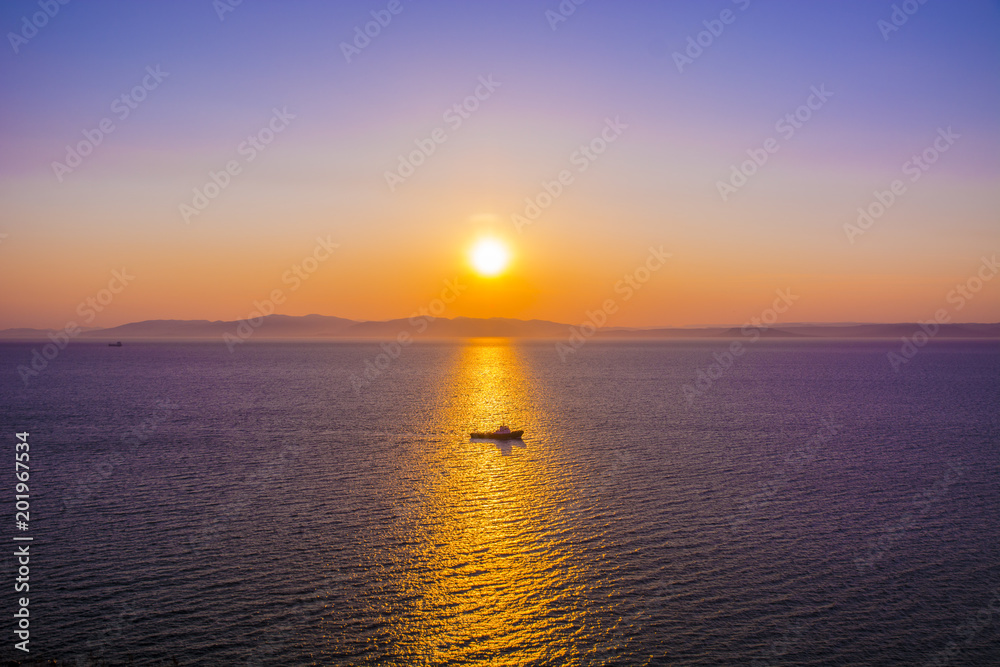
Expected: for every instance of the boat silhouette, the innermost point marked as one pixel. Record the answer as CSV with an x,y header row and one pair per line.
x,y
502,433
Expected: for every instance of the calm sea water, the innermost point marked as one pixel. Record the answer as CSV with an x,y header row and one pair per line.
x,y
810,507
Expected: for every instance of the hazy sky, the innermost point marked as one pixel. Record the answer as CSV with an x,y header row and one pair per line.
x,y
673,127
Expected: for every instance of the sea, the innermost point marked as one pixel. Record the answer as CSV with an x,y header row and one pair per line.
x,y
322,503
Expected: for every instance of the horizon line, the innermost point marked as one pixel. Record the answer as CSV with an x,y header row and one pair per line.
x,y
789,325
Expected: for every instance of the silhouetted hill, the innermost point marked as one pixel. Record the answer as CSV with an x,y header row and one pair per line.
x,y
272,326
701,332
324,326
896,330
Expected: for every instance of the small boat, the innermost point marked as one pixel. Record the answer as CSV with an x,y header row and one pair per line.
x,y
118,344
502,433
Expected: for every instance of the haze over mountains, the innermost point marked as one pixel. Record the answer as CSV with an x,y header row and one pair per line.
x,y
327,327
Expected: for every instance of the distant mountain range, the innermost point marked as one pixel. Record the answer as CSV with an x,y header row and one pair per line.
x,y
325,327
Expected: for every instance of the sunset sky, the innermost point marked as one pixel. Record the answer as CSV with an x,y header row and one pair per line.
x,y
339,122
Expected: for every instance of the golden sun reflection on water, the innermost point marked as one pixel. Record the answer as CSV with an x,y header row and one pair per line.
x,y
486,576
491,388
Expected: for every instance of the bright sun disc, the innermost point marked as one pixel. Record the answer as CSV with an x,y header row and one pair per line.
x,y
489,257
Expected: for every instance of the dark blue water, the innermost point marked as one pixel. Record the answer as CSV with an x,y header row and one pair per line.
x,y
811,506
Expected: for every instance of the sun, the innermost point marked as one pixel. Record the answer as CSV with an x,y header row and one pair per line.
x,y
489,257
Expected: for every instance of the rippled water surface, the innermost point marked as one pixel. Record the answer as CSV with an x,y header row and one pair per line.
x,y
810,506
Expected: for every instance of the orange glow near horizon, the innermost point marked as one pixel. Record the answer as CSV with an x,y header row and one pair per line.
x,y
216,275
394,255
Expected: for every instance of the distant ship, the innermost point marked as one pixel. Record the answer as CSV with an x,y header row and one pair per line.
x,y
118,344
502,433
